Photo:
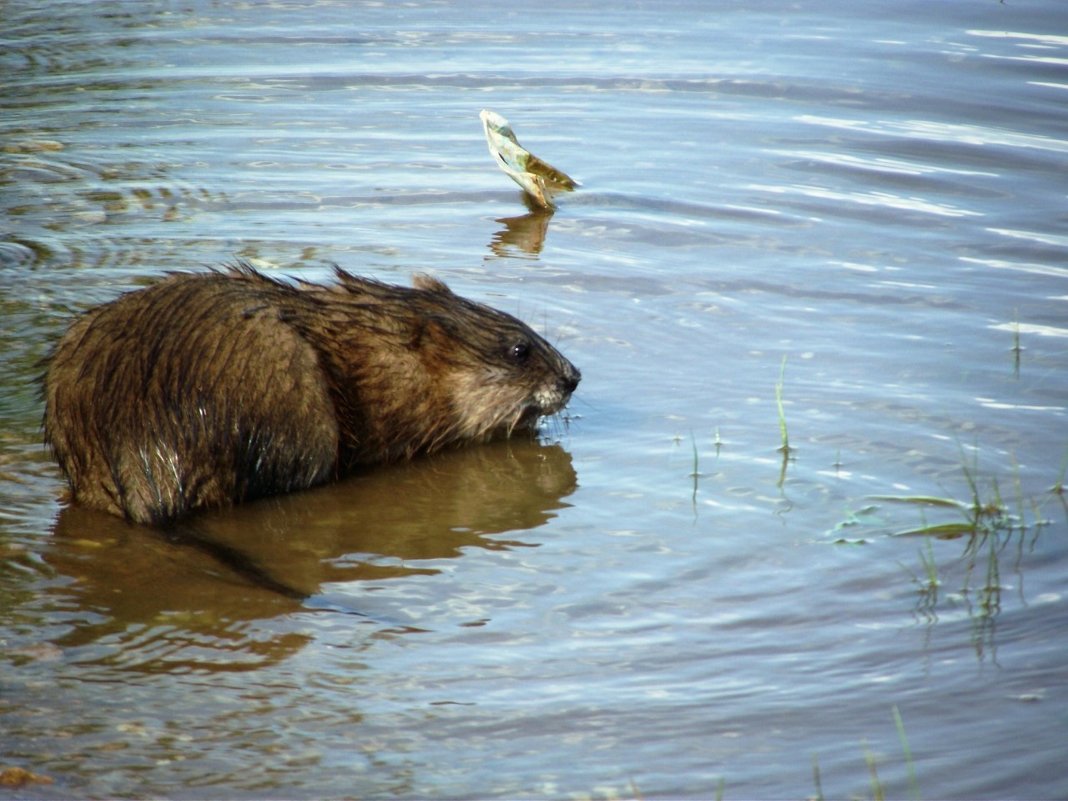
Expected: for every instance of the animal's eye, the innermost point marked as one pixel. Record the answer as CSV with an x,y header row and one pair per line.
x,y
519,351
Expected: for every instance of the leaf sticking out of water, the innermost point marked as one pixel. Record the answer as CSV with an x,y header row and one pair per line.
x,y
540,180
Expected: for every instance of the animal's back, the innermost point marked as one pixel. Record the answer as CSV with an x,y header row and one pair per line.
x,y
195,392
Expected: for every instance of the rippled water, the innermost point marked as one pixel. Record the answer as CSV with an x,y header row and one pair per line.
x,y
861,203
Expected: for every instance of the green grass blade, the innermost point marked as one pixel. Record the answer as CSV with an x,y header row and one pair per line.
x,y
914,786
924,500
783,433
942,531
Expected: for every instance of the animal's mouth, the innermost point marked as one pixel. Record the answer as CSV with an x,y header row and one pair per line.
x,y
546,401
543,404
529,416
533,411
552,400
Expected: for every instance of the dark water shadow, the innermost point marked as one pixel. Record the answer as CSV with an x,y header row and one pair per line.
x,y
523,234
139,598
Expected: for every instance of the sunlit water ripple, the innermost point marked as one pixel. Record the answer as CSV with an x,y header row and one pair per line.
x,y
863,205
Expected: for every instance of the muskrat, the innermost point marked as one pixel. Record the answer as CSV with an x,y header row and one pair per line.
x,y
211,388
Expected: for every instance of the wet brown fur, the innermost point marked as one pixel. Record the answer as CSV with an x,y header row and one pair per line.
x,y
212,388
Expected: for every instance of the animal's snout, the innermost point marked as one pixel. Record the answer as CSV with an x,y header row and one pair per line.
x,y
569,383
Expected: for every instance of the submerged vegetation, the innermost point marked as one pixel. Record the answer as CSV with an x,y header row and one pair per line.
x,y
1017,348
784,434
878,789
983,514
991,527
997,522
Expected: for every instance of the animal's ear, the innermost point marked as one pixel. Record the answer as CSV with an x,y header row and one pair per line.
x,y
429,333
429,284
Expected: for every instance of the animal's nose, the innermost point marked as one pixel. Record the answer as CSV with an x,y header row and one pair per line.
x,y
570,381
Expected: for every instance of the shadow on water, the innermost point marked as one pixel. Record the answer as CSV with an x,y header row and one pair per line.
x,y
525,233
154,603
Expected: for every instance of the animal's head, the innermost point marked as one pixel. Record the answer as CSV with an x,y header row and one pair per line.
x,y
502,375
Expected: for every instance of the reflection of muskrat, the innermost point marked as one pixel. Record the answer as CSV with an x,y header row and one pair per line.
x,y
212,388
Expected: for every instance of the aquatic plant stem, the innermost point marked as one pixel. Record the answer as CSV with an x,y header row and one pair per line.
x,y
696,474
910,766
1058,486
1016,348
783,433
816,777
877,791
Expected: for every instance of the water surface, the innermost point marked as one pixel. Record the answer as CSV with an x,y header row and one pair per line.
x,y
862,203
